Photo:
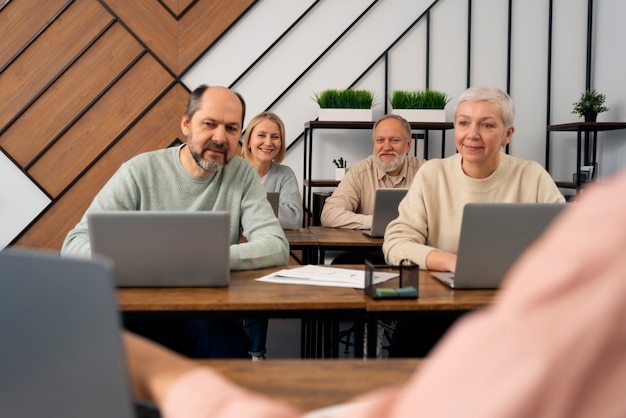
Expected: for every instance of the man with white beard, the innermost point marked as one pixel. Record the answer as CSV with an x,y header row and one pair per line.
x,y
352,204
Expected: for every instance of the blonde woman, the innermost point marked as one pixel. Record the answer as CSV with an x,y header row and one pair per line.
x,y
264,147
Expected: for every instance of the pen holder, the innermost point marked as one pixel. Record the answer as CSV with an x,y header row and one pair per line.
x,y
408,281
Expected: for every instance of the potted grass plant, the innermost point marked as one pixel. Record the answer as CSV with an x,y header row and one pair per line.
x,y
345,105
420,105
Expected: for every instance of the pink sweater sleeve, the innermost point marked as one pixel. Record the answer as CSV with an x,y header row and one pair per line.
x,y
204,393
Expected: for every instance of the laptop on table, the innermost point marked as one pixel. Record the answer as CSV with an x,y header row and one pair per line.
x,y
274,199
493,236
164,248
61,350
386,203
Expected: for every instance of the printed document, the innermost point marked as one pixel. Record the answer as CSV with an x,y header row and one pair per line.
x,y
315,275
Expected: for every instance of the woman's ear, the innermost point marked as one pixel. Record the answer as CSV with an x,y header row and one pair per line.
x,y
509,134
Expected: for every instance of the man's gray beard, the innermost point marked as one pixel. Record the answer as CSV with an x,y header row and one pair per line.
x,y
211,166
387,167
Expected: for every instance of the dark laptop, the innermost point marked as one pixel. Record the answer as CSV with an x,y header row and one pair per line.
x,y
61,352
164,249
493,235
386,203
274,199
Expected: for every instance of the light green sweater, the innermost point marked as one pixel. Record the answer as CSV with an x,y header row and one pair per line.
x,y
430,214
157,181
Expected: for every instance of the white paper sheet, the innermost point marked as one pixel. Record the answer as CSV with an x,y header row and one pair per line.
x,y
314,275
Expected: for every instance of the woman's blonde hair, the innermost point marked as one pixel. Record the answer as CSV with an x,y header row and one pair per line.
x,y
245,146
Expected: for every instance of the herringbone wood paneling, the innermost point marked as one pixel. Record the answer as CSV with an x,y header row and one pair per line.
x,y
60,104
155,130
86,85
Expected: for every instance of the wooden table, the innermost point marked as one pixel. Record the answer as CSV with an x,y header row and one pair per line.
x,y
315,240
321,308
434,299
313,384
343,240
433,296
303,239
245,295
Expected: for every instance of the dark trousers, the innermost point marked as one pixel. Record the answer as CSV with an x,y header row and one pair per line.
x,y
415,337
256,330
195,338
359,257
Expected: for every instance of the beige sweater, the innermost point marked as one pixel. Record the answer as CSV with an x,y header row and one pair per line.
x,y
352,203
430,215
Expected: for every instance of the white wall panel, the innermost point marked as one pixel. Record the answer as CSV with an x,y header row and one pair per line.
x,y
609,70
529,78
407,60
252,35
20,201
569,51
448,66
489,43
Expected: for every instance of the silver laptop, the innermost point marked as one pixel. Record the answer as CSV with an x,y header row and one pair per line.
x,y
493,235
386,203
274,199
61,352
163,248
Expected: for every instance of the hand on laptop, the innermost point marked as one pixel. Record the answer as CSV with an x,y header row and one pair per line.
x,y
440,261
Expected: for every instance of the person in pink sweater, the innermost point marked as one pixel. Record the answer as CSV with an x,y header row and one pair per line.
x,y
553,344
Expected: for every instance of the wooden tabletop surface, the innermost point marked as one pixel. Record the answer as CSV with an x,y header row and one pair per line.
x,y
433,296
301,237
244,294
344,237
313,384
247,294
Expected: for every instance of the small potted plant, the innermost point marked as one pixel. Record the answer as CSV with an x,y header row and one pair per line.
x,y
420,105
340,168
589,105
345,105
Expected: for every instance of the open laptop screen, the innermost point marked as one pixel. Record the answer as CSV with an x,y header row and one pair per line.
x,y
164,249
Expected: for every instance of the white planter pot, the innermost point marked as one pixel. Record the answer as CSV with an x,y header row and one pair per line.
x,y
345,115
421,115
340,173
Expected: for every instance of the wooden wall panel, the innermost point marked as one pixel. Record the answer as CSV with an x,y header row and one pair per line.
x,y
48,55
172,6
21,22
70,116
156,130
153,25
105,121
201,28
176,7
80,85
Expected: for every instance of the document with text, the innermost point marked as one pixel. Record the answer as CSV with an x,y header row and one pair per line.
x,y
315,275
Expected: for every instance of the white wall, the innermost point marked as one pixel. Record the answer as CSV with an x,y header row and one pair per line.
x,y
384,23
382,26
20,201
608,77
